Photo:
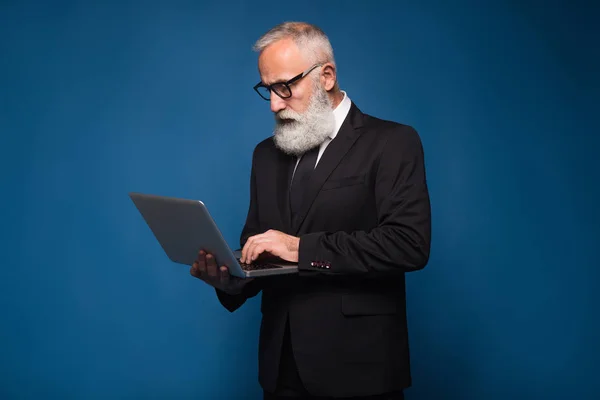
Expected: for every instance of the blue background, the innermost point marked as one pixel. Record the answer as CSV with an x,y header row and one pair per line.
x,y
99,99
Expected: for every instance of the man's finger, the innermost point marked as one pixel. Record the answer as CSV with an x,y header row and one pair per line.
x,y
224,275
263,241
245,250
202,262
249,252
211,266
257,250
194,270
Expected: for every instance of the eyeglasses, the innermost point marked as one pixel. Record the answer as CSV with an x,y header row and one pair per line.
x,y
281,89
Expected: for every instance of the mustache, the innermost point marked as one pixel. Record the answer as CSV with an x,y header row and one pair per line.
x,y
287,116
285,121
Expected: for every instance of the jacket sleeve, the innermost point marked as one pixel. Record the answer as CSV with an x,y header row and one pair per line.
x,y
235,301
401,240
251,227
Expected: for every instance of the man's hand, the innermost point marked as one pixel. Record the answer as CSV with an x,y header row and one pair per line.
x,y
274,242
205,268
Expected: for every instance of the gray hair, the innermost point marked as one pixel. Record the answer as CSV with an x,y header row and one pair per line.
x,y
310,39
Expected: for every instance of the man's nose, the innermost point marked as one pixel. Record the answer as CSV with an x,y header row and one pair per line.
x,y
277,103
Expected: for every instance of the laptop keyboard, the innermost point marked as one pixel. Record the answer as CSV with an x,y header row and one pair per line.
x,y
257,266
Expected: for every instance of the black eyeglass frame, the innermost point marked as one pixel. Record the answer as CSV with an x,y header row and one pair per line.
x,y
271,87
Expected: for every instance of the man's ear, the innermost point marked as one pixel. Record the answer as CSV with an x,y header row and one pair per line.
x,y
328,76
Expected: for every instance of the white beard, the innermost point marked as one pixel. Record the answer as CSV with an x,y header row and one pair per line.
x,y
296,133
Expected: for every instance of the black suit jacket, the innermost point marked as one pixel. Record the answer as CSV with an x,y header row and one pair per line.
x,y
365,223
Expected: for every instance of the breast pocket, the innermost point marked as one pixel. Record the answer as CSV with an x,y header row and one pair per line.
x,y
346,181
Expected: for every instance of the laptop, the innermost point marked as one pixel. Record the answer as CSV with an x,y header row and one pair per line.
x,y
183,227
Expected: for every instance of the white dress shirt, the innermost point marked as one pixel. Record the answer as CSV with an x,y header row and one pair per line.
x,y
339,114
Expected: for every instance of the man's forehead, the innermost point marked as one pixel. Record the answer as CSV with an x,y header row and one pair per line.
x,y
280,62
271,75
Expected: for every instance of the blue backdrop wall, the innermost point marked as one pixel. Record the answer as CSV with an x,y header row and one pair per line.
x,y
99,99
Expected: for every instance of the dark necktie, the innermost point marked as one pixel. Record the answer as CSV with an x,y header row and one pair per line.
x,y
301,179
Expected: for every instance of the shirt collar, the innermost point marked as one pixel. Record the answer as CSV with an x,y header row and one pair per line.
x,y
340,113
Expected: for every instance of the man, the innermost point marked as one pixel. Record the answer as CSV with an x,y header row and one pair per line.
x,y
344,194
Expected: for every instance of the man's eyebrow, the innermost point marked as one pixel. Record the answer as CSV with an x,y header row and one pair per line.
x,y
280,80
274,82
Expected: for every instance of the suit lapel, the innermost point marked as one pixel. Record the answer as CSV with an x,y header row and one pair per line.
x,y
285,169
335,151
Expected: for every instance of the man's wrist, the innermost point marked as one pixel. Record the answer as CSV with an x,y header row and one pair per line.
x,y
296,249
